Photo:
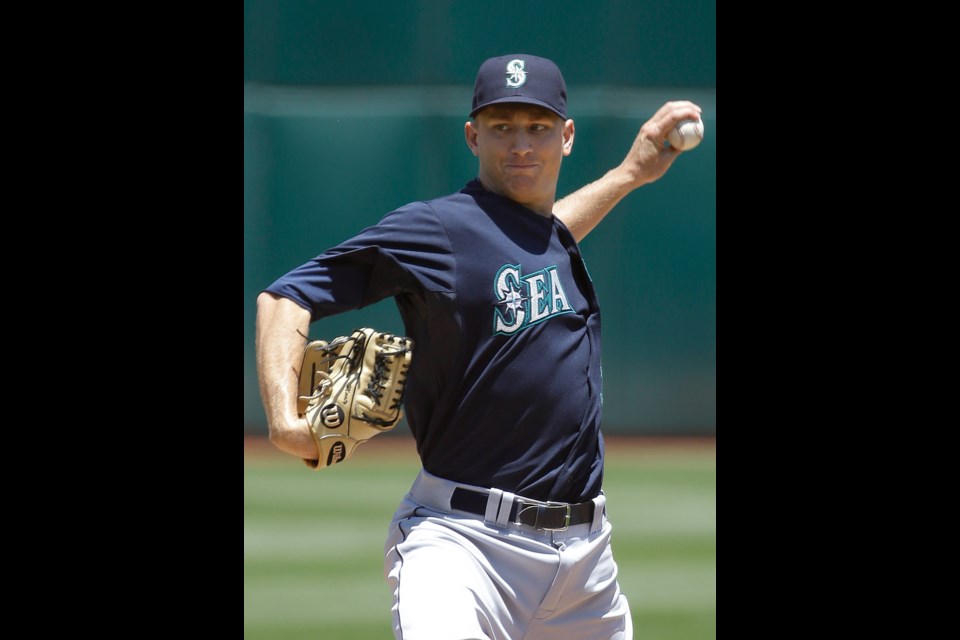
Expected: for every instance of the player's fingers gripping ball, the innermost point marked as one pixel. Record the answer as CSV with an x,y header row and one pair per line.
x,y
351,389
686,135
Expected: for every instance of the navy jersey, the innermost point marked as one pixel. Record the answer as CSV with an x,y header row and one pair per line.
x,y
505,386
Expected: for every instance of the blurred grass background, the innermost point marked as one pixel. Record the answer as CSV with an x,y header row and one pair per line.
x,y
313,541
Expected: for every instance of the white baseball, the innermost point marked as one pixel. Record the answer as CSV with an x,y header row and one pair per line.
x,y
686,135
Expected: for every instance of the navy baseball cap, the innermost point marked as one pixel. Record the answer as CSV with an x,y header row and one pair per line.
x,y
520,78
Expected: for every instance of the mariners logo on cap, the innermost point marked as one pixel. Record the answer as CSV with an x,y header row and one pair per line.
x,y
516,76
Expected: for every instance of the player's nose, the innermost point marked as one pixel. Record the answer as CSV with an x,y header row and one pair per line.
x,y
521,143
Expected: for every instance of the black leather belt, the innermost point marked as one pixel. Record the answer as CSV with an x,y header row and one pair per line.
x,y
551,516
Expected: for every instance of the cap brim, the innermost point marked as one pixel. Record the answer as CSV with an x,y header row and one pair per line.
x,y
522,99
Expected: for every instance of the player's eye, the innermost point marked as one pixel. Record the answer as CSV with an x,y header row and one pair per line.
x,y
538,127
501,127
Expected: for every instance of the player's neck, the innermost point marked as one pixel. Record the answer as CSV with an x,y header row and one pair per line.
x,y
542,207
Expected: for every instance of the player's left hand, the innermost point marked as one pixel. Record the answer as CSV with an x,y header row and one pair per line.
x,y
351,389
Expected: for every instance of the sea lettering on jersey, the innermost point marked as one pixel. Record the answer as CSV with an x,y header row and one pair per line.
x,y
525,300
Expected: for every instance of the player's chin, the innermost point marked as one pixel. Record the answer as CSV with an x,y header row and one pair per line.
x,y
523,184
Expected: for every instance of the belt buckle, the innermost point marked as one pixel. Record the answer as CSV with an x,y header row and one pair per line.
x,y
542,508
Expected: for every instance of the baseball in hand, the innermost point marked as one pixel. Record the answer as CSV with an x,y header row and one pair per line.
x,y
686,135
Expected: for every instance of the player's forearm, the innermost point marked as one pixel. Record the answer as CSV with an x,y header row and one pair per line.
x,y
583,209
648,159
281,327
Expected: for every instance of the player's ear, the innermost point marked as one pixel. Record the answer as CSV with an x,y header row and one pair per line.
x,y
568,131
470,133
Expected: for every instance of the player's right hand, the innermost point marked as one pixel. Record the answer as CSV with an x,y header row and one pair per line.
x,y
649,157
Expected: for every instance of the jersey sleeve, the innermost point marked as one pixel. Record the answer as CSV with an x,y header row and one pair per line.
x,y
407,253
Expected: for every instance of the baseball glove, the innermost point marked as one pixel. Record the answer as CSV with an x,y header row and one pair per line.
x,y
351,389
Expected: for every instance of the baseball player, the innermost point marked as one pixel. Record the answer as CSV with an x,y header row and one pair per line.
x,y
504,532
